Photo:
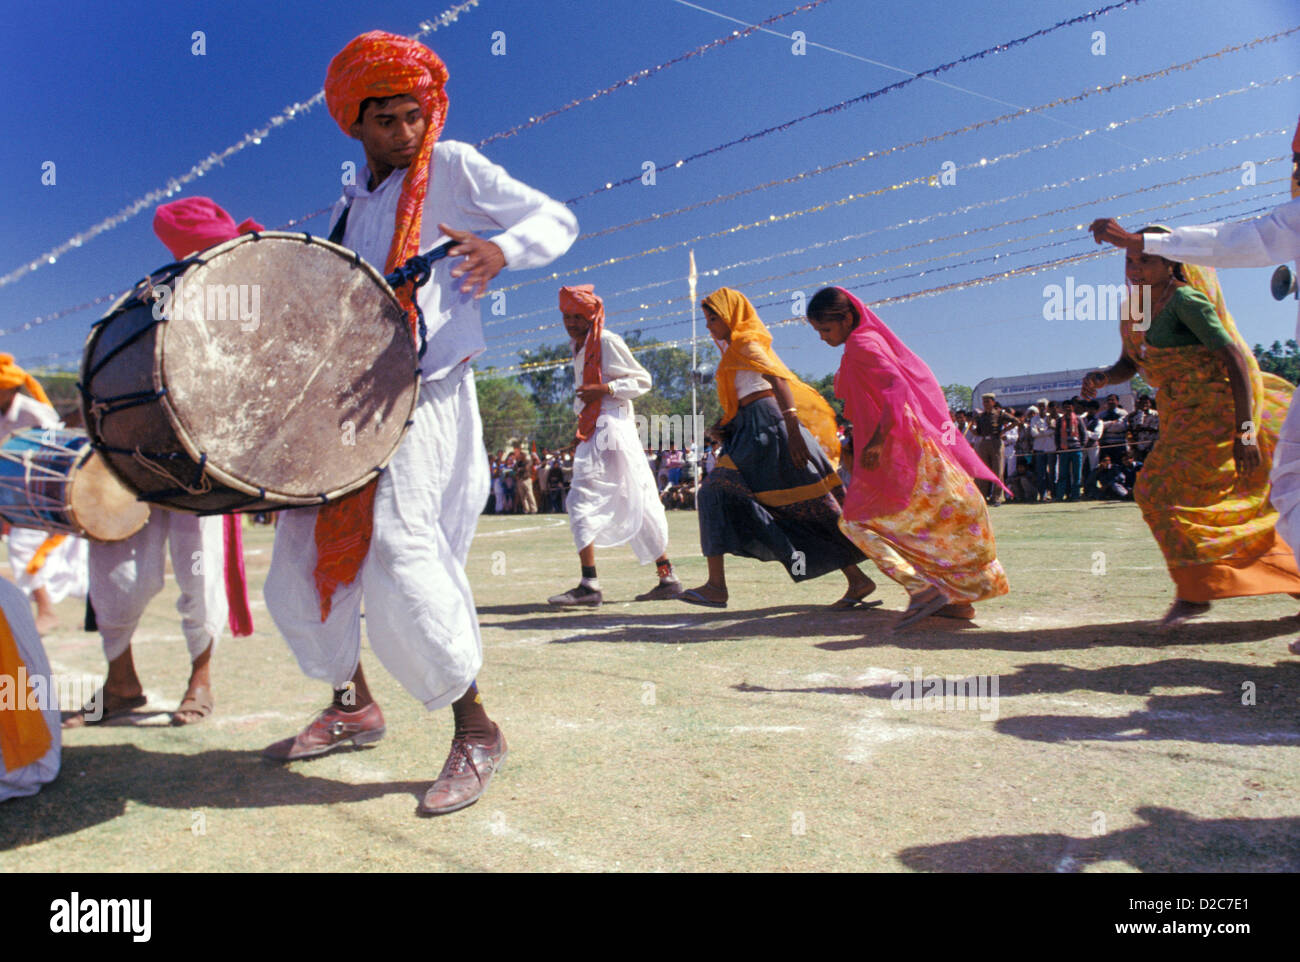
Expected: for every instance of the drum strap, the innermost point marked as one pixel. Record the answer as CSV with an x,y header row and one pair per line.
x,y
336,235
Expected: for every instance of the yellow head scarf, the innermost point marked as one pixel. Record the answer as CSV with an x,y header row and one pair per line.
x,y
11,375
750,348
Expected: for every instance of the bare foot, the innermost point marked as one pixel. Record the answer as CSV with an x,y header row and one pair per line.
x,y
1181,612
46,621
962,611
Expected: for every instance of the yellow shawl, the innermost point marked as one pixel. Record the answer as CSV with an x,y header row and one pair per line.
x,y
750,348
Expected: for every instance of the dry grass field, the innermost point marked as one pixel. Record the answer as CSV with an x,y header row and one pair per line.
x,y
766,737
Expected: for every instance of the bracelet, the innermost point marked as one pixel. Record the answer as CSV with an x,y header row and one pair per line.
x,y
789,410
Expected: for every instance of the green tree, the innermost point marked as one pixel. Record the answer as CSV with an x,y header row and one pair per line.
x,y
1284,361
958,396
507,411
552,384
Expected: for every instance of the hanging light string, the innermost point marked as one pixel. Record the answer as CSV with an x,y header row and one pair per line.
x,y
970,128
1198,102
641,322
633,79
861,98
174,184
899,298
852,198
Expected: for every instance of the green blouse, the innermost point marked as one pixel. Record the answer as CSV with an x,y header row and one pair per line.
x,y
1186,320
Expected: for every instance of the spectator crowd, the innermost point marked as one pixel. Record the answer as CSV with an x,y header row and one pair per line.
x,y
1070,450
528,481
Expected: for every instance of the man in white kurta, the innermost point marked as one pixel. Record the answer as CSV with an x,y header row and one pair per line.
x,y
419,610
613,499
1259,242
62,571
29,729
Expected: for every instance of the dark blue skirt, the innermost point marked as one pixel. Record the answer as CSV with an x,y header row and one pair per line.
x,y
756,504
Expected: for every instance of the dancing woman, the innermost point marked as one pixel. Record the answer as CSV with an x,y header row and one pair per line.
x,y
1204,489
773,494
912,505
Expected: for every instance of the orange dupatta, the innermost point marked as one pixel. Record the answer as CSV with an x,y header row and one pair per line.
x,y
750,349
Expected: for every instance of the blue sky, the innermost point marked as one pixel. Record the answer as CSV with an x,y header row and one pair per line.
x,y
113,95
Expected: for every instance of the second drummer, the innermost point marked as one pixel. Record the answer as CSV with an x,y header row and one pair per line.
x,y
402,543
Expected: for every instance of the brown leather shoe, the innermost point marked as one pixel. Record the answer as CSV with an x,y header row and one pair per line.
x,y
327,731
465,775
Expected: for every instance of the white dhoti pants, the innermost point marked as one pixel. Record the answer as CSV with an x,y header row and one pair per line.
x,y
125,575
420,615
1285,479
64,572
614,499
28,779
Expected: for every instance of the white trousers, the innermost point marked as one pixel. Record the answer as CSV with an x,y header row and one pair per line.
x,y
28,779
1285,479
614,499
64,571
125,575
420,615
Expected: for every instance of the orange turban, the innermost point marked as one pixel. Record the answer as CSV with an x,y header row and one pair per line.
x,y
582,299
380,65
11,375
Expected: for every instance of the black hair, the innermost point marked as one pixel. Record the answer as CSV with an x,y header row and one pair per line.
x,y
832,300
379,102
1178,267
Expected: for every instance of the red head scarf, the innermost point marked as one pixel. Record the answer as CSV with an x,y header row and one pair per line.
x,y
879,379
196,223
583,300
378,64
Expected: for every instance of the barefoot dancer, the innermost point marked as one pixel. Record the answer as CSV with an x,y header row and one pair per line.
x,y
614,499
402,542
912,505
1204,489
774,493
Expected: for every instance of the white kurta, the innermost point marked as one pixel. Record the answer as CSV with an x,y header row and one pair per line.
x,y
64,570
125,575
28,779
420,616
614,499
1261,242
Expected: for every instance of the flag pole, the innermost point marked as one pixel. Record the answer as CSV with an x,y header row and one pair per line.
x,y
695,417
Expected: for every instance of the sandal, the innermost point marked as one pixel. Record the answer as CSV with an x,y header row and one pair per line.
x,y
199,703
848,602
693,597
102,706
921,606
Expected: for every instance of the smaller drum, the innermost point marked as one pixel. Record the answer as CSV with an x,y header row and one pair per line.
x,y
52,479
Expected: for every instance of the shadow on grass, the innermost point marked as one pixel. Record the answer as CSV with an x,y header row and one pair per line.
x,y
1216,716
857,628
938,634
1169,841
96,782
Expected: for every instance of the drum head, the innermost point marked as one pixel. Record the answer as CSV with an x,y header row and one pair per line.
x,y
289,367
100,505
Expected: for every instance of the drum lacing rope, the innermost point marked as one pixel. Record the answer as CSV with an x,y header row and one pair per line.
x,y
201,484
416,271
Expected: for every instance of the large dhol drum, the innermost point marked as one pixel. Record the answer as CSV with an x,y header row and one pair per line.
x,y
271,371
52,479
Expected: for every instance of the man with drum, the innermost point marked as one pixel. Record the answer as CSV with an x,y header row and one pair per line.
x,y
401,543
125,575
46,566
